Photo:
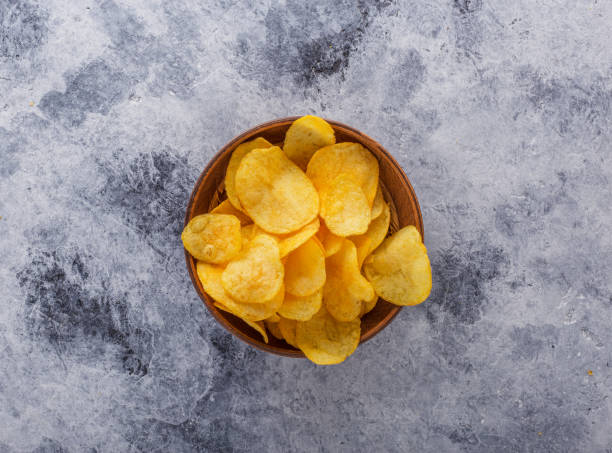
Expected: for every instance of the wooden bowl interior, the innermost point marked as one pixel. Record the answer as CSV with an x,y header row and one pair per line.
x,y
209,192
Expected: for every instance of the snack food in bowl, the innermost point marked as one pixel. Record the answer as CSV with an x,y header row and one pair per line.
x,y
304,240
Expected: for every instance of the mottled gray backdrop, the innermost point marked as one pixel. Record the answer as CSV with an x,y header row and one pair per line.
x,y
499,112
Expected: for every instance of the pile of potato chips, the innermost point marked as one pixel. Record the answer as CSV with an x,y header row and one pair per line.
x,y
298,248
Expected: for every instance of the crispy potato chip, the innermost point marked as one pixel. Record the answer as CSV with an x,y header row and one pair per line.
x,y
399,269
274,329
301,308
352,158
230,174
289,242
344,207
287,328
274,192
305,269
256,274
214,238
306,135
377,231
345,288
257,325
226,207
325,340
377,204
273,318
368,305
210,276
331,243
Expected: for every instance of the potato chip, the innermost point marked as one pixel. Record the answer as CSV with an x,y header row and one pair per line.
x,y
306,135
331,243
230,174
345,288
352,158
274,329
273,318
213,238
399,269
305,269
377,204
256,274
325,340
226,207
289,242
287,328
368,305
257,325
301,308
344,207
274,192
210,276
377,231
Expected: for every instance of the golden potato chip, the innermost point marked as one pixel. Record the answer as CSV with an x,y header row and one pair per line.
x,y
214,238
344,207
289,242
210,276
352,158
257,325
331,243
226,207
274,192
377,204
305,269
325,340
256,274
345,288
306,135
287,328
367,242
273,318
230,174
368,305
274,329
301,308
399,269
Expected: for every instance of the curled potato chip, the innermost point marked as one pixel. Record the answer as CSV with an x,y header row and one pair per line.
x,y
345,288
325,340
210,276
230,174
226,207
331,243
287,328
399,269
377,204
214,238
256,274
327,163
305,269
274,192
257,325
377,231
301,308
289,242
306,135
274,329
344,207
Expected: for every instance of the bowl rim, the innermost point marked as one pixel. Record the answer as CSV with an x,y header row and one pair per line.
x,y
208,302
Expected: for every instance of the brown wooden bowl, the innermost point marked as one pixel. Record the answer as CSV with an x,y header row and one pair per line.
x,y
209,192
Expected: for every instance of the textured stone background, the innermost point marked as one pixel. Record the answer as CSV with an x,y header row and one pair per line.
x,y
500,113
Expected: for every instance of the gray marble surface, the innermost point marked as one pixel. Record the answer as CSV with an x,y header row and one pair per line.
x,y
499,112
